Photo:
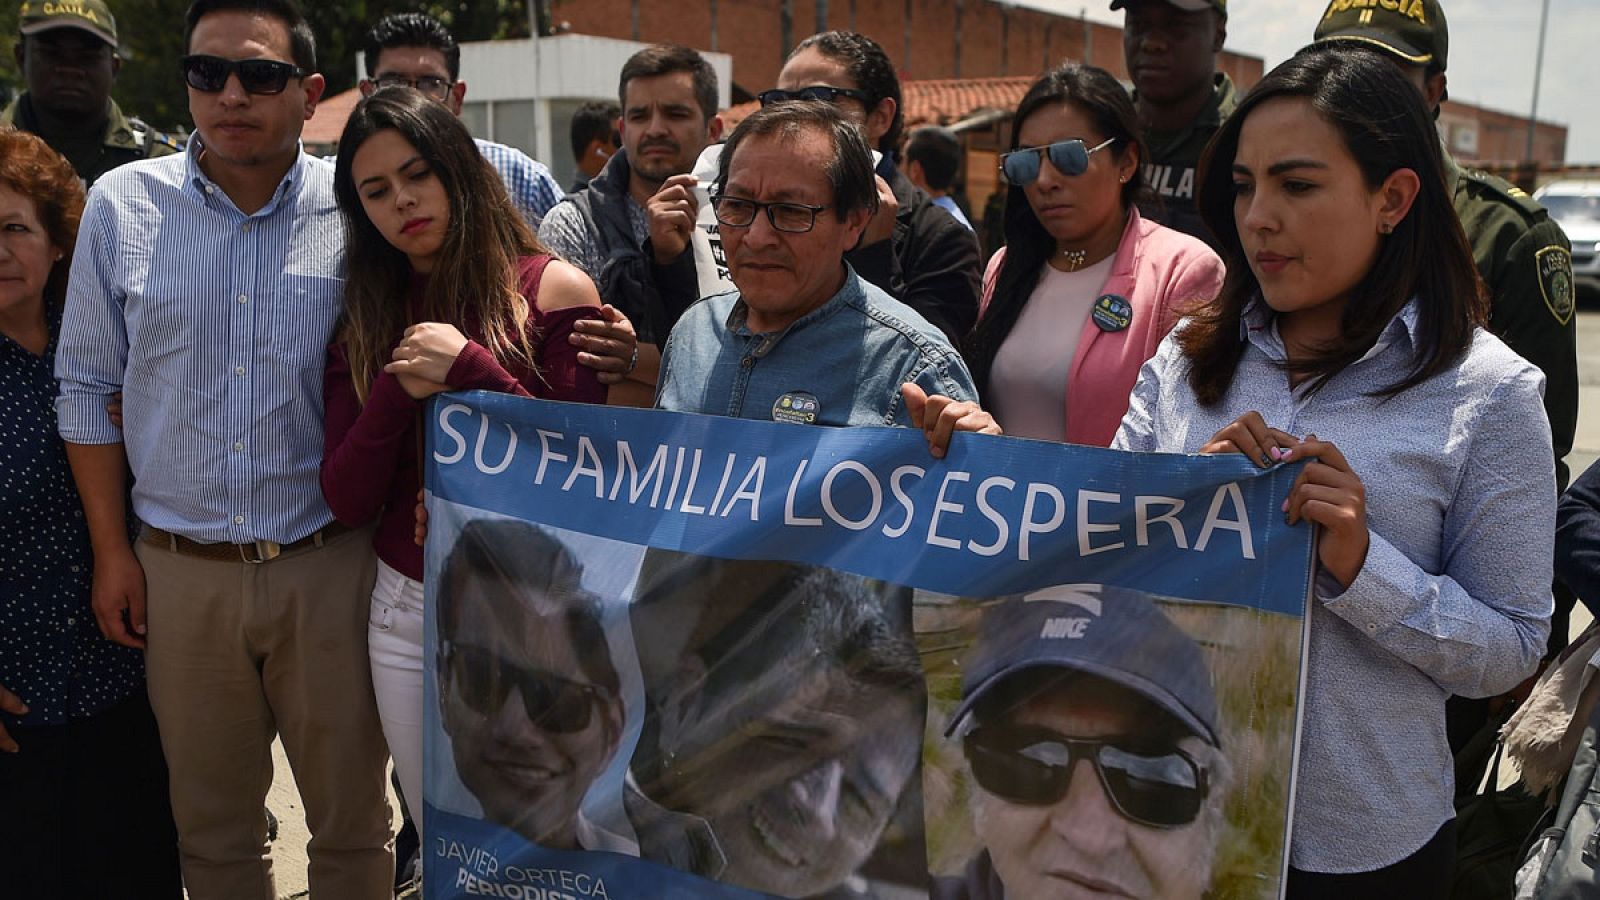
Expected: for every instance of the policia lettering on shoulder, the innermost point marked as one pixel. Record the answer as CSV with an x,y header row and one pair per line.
x,y
1170,171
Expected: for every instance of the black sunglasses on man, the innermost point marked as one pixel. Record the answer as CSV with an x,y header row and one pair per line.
x,y
209,74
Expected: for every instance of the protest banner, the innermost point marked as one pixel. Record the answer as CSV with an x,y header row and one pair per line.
x,y
686,656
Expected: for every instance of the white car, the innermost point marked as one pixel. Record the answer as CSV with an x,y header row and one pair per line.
x,y
1575,205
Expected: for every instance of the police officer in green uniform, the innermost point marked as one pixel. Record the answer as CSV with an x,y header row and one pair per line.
x,y
1521,253
1171,47
68,57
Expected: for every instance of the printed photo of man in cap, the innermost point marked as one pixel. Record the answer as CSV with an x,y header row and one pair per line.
x,y
1089,723
68,59
783,726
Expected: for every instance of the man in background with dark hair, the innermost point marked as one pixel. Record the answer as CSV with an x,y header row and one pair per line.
x,y
1171,47
669,115
595,139
206,288
417,51
933,160
911,249
68,58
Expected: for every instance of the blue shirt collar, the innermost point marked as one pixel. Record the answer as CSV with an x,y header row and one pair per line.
x,y
205,189
1257,324
850,292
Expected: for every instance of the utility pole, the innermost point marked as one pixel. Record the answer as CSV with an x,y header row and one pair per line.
x,y
1538,69
540,21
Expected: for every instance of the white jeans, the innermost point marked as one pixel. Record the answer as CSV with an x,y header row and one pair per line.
x,y
394,642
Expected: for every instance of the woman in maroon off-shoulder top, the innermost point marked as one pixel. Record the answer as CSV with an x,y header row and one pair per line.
x,y
448,289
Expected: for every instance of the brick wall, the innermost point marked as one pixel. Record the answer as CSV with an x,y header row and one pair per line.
x,y
1477,134
925,38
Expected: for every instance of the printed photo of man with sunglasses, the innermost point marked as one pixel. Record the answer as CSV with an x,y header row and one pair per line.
x,y
1088,721
528,693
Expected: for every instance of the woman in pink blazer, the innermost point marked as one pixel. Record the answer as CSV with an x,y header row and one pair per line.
x,y
1085,289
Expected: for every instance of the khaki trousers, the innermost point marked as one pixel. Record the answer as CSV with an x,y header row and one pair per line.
x,y
239,652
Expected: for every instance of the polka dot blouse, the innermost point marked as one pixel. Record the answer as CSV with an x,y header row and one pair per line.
x,y
52,654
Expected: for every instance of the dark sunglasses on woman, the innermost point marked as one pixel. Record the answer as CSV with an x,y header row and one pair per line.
x,y
552,703
209,74
1021,166
1032,766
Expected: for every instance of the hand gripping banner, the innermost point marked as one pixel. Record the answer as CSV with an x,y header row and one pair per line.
x,y
674,656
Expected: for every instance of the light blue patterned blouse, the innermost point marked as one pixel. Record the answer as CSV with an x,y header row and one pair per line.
x,y
1454,597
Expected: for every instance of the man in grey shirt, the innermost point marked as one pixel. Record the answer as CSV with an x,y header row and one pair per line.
x,y
669,115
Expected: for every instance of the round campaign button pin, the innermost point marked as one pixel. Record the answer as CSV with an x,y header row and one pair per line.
x,y
796,408
1111,312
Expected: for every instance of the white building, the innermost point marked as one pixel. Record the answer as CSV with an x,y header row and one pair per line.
x,y
524,92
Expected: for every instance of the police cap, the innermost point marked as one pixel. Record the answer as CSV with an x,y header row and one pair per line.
x,y
93,16
1412,30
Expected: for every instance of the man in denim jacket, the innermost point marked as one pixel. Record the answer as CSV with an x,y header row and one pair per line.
x,y
804,339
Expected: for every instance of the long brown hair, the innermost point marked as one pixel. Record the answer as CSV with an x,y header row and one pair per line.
x,y
31,168
475,281
1386,127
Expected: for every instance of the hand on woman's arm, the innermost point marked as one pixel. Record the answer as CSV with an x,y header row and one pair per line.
x,y
610,347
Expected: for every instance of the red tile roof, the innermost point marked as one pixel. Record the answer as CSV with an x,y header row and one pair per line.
x,y
937,101
327,123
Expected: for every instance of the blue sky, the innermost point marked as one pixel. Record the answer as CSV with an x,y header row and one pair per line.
x,y
1492,48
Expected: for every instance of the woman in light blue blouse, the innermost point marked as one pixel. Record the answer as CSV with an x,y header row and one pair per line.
x,y
1348,335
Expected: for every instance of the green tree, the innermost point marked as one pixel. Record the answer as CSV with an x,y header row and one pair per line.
x,y
10,78
151,31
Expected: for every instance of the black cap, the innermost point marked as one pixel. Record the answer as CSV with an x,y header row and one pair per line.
x,y
1109,632
1412,30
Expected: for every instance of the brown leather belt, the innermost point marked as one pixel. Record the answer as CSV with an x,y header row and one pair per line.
x,y
253,552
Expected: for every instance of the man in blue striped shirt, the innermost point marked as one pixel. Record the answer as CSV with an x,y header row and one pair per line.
x,y
206,287
416,50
